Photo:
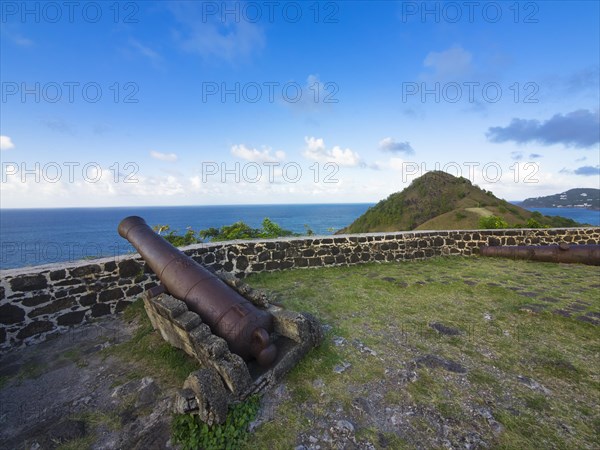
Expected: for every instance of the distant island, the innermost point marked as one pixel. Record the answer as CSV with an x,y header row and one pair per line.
x,y
440,201
573,198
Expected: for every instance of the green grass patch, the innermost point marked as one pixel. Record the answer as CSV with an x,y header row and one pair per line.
x,y
390,308
94,419
76,357
30,370
83,443
148,349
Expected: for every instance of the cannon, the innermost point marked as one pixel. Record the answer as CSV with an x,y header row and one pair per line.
x,y
244,327
562,253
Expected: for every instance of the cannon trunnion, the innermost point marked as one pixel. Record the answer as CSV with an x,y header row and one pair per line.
x,y
245,328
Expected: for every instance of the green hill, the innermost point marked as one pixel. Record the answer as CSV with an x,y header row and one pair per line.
x,y
573,198
440,201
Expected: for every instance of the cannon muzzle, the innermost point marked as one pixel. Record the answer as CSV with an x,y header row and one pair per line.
x,y
229,315
563,253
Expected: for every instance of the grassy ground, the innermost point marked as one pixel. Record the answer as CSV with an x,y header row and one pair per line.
x,y
448,351
148,351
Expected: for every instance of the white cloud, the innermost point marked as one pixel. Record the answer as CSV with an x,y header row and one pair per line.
x,y
452,63
15,36
170,157
314,96
153,56
390,145
213,37
315,149
252,154
6,143
60,126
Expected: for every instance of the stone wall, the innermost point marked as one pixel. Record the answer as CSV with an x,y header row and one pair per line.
x,y
36,302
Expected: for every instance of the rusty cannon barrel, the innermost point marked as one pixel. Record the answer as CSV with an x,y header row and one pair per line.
x,y
229,315
563,253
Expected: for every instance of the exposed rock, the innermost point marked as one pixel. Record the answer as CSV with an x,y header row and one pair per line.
x,y
534,308
588,319
363,348
446,330
342,367
494,424
338,341
145,391
562,312
534,385
434,361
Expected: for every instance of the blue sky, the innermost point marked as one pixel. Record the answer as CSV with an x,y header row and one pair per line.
x,y
192,103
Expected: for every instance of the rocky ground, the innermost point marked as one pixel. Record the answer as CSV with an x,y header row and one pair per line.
x,y
67,392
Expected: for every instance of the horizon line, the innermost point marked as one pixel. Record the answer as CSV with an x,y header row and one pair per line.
x,y
184,206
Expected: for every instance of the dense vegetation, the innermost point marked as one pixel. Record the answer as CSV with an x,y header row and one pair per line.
x,y
237,230
440,201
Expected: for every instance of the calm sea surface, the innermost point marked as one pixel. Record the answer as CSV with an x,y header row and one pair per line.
x,y
41,236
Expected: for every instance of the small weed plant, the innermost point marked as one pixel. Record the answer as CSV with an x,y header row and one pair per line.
x,y
189,431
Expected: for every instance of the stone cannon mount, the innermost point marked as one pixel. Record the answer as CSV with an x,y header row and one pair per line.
x,y
225,377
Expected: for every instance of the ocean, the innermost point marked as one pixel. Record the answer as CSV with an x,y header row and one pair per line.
x,y
580,215
30,237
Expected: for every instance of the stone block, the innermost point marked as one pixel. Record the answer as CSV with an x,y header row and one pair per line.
x,y
85,270
35,327
168,307
53,307
10,314
210,395
110,295
36,300
129,268
100,309
187,321
71,318
27,283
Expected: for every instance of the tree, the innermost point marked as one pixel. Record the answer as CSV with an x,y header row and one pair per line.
x,y
241,230
177,240
237,230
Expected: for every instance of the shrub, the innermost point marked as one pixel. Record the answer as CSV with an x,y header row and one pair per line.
x,y
492,222
177,240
